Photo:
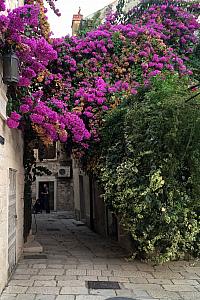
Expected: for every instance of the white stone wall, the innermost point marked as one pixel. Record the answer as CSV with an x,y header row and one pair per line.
x,y
63,189
11,156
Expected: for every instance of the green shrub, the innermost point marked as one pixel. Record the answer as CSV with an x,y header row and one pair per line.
x,y
150,170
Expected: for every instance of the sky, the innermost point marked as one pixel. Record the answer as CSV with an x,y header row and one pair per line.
x,y
62,25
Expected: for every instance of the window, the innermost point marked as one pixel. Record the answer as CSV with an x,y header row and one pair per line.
x,y
47,153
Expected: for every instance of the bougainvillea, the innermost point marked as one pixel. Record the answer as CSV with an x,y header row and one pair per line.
x,y
113,61
43,20
176,21
50,120
53,7
67,84
2,5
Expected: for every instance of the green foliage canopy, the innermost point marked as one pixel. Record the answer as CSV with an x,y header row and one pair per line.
x,y
149,167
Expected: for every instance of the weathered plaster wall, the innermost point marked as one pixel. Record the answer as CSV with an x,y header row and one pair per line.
x,y
87,198
65,201
104,222
11,156
64,186
76,173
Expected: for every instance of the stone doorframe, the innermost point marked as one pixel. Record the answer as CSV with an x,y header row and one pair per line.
x,y
47,178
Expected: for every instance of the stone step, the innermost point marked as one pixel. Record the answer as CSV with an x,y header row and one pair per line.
x,y
32,247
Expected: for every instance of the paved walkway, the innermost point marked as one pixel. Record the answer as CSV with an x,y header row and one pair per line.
x,y
75,255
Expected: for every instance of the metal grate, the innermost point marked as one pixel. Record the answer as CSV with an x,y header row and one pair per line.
x,y
105,285
120,298
35,257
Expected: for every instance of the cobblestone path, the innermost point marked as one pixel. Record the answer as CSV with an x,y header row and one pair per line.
x,y
75,255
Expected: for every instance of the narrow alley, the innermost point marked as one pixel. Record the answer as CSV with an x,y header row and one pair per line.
x,y
75,259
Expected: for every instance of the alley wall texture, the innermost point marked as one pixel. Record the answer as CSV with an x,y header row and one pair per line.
x,y
62,187
11,160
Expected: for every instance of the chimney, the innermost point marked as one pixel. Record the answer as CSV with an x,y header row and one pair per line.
x,y
76,21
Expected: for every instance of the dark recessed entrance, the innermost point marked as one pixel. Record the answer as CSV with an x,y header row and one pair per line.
x,y
50,186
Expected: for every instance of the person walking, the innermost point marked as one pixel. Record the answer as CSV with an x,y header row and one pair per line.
x,y
45,198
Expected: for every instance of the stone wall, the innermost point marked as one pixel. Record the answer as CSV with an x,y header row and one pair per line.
x,y
11,157
65,195
102,221
63,185
99,208
76,173
86,194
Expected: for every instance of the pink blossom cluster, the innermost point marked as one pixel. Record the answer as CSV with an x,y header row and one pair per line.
x,y
20,28
70,83
113,62
2,5
56,121
176,22
51,114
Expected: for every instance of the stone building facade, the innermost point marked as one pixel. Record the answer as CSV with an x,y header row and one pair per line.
x,y
11,198
76,20
11,186
60,183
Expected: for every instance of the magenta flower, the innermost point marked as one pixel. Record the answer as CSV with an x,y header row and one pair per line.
x,y
133,91
12,123
38,119
154,73
24,108
2,5
15,116
63,136
88,114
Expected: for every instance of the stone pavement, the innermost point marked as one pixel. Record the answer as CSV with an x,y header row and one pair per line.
x,y
74,255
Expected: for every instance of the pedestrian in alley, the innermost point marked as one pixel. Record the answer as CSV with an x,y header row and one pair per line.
x,y
37,207
45,198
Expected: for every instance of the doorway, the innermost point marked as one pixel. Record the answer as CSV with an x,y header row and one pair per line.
x,y
50,185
